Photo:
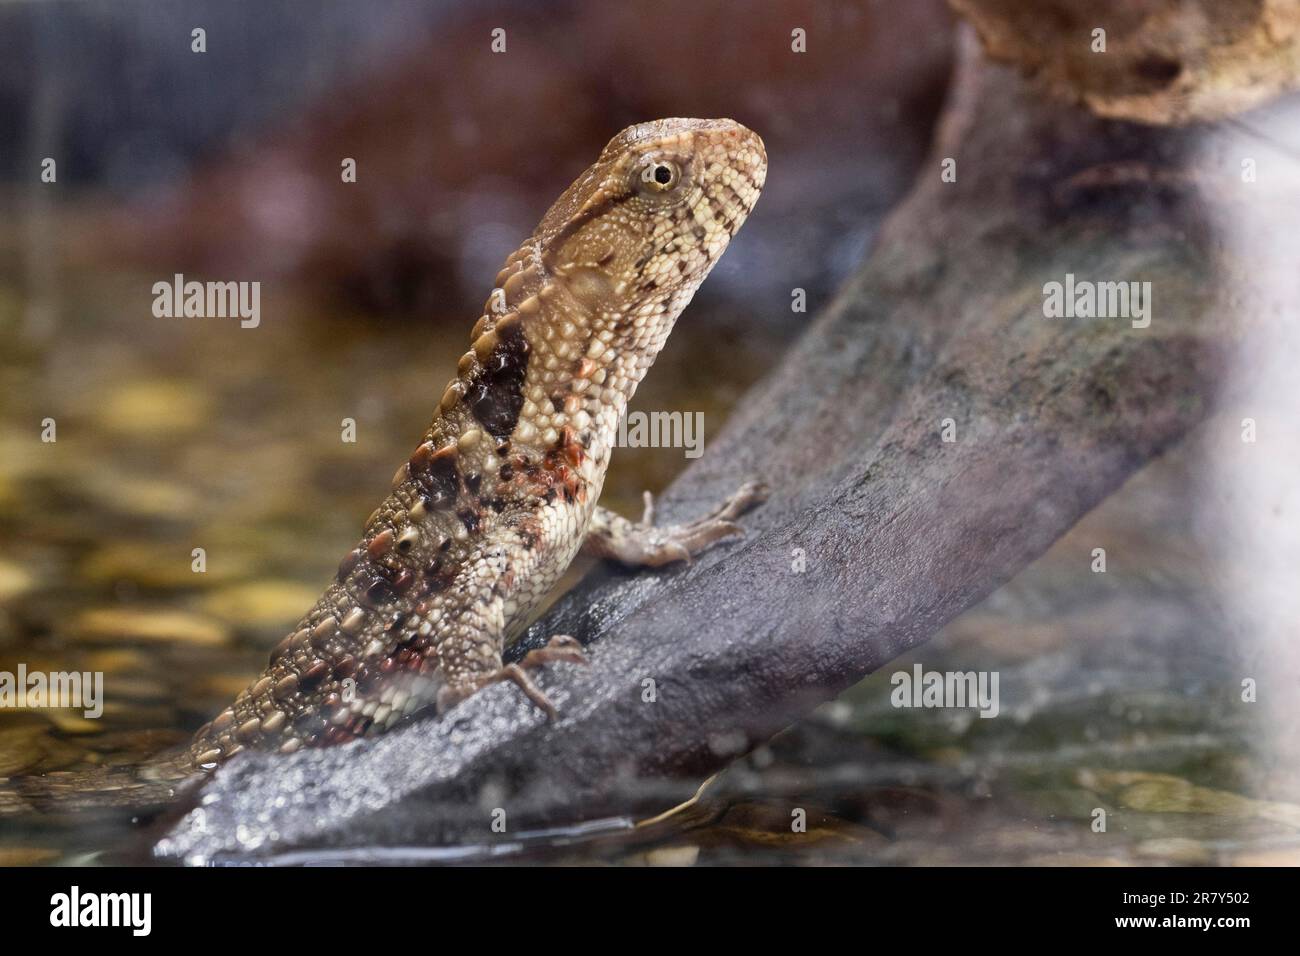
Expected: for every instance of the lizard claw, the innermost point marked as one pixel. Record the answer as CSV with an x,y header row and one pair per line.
x,y
748,495
644,545
683,542
561,647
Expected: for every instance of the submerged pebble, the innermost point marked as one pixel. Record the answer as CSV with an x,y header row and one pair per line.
x,y
107,624
149,407
261,604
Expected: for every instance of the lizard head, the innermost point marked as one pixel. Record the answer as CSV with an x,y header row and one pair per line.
x,y
639,230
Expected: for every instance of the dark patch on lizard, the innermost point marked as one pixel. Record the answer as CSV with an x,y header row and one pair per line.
x,y
436,475
469,518
557,473
496,393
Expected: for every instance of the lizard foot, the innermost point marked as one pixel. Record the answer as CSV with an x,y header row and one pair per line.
x,y
642,544
561,647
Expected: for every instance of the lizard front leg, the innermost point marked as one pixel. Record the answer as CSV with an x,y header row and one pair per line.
x,y
641,544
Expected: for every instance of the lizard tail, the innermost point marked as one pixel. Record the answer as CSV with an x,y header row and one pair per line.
x,y
155,783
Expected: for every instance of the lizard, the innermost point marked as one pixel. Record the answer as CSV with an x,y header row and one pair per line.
x,y
501,492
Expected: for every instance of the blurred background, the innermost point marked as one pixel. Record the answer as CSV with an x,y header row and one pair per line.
x,y
175,434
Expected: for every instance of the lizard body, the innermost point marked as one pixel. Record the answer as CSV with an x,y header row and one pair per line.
x,y
501,493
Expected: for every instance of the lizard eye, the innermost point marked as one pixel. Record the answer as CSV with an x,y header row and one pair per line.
x,y
660,175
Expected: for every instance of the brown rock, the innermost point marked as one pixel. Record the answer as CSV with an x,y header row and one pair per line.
x,y
1166,62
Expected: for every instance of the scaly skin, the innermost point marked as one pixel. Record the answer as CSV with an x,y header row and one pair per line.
x,y
498,497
